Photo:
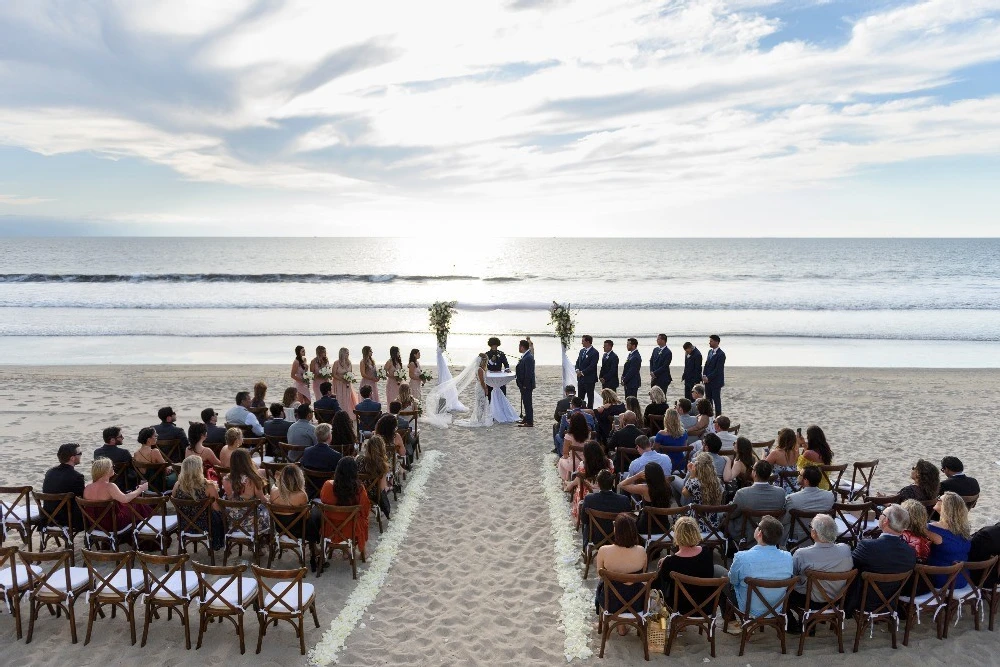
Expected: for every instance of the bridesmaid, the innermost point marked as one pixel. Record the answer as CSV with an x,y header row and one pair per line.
x,y
414,367
394,364
318,362
299,366
342,389
369,372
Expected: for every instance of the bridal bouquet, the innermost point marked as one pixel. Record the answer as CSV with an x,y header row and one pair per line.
x,y
326,372
349,378
562,318
425,376
308,376
402,376
441,313
381,374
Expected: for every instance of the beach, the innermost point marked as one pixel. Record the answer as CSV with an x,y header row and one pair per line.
x,y
474,579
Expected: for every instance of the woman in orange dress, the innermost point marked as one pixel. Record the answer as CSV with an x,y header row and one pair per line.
x,y
346,490
394,364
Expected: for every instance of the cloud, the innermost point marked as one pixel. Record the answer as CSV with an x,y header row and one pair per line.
x,y
18,200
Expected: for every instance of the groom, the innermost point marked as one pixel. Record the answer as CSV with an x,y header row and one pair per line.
x,y
525,378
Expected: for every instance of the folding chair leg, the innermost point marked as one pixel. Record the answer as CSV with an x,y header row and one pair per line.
x,y
239,627
202,626
145,624
131,618
301,627
263,628
72,620
187,626
90,620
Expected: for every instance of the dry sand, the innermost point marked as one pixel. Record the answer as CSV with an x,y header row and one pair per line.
x,y
474,582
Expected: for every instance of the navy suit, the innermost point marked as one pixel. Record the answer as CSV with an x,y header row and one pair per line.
x,y
328,402
609,370
715,371
586,364
524,374
631,377
887,554
659,365
368,405
692,371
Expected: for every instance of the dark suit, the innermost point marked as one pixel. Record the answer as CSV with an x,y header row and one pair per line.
x,y
216,435
631,378
127,481
609,370
659,367
960,484
368,405
715,371
328,402
692,371
624,437
320,457
602,501
586,363
887,554
64,479
525,379
495,362
986,545
277,427
165,431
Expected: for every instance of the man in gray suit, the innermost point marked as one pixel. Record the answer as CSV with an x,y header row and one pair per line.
x,y
758,496
810,498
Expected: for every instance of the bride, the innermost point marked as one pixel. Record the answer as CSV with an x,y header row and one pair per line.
x,y
437,413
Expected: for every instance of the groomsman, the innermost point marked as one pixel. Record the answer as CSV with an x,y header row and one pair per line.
x,y
631,376
525,378
659,364
586,371
609,367
714,375
692,368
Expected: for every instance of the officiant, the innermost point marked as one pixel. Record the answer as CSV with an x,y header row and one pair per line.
x,y
495,362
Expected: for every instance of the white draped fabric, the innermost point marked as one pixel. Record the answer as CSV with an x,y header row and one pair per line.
x,y
568,371
500,407
450,394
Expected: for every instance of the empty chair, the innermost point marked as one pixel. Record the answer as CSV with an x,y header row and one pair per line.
x,y
282,595
59,586
853,522
173,590
119,587
224,593
14,583
861,481
15,512
936,601
977,593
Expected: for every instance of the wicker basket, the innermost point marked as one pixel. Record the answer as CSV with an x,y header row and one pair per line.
x,y
656,635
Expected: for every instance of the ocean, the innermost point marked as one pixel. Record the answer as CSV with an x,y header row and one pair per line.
x,y
775,302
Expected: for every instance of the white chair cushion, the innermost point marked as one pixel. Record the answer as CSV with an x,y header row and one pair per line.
x,y
842,526
20,513
22,575
230,595
662,538
266,459
289,593
920,599
120,580
964,592
175,585
153,525
78,576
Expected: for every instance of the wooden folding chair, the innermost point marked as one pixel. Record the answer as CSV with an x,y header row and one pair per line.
x,y
14,583
654,423
225,596
703,613
415,416
57,588
861,481
764,447
15,512
852,521
258,450
120,587
786,479
747,523
976,591
833,474
246,430
100,523
830,606
324,416
290,453
282,595
189,513
364,421
970,501
172,450
272,471
713,522
273,449
56,525
151,523
623,459
243,528
659,524
800,526
602,528
630,593
154,474
937,599
338,524
884,590
683,449
315,479
172,590
374,496
261,414
288,525
775,615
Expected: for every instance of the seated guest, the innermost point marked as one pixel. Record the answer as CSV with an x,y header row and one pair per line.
x,y
604,500
113,450
216,434
373,465
626,435
277,426
949,536
650,484
704,423
101,489
737,473
697,393
148,454
722,426
403,423
784,458
632,404
167,429
407,403
594,461
712,445
327,401
816,452
192,485
985,544
197,434
576,407
657,408
302,432
647,455
926,482
690,559
259,399
825,555
563,405
239,414
672,435
684,407
343,437
234,441
368,405
758,496
916,534
290,491
386,428
345,490
65,479
702,485
886,554
290,402
624,556
321,456
245,482
605,414
809,498
577,434
955,478
764,561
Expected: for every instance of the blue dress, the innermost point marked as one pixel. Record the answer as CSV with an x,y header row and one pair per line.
x,y
678,458
952,548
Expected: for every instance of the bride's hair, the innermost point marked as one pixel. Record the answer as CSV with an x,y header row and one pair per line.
x,y
482,360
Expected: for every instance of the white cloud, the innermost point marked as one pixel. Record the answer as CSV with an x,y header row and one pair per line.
x,y
19,200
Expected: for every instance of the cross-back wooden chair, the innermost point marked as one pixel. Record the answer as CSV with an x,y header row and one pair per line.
x,y
282,595
337,528
14,583
122,475
829,608
273,449
970,501
243,529
15,511
684,450
154,474
364,421
272,471
860,485
774,616
289,452
100,523
324,416
415,416
151,523
656,532
937,600
246,430
976,590
833,474
799,527
119,587
404,433
787,480
288,526
628,595
713,522
883,604
258,450
261,413
224,593
747,523
702,609
58,587
371,488
575,455
172,450
172,590
654,423
623,459
57,525
764,447
189,514
315,479
853,521
602,528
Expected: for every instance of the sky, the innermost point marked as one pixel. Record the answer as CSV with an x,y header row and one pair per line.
x,y
514,118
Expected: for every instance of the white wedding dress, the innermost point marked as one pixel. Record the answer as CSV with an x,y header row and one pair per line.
x,y
482,416
436,407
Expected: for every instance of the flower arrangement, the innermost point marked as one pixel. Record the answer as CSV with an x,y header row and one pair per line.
x,y
562,317
425,376
350,378
381,374
440,316
402,376
308,376
326,371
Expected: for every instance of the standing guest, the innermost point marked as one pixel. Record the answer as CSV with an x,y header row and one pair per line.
x,y
926,482
234,441
624,556
886,554
659,364
632,370
386,428
240,414
610,408
168,429
714,374
368,405
373,465
392,366
916,534
985,545
320,361
692,368
197,433
114,451
299,368
609,366
737,473
216,434
758,496
413,368
648,455
604,500
345,490
825,555
673,435
64,478
289,492
525,378
563,405
495,362
369,372
259,395
809,498
816,452
302,433
955,478
192,485
148,454
764,561
691,559
244,482
289,401
785,456
657,407
342,389
586,371
626,435
949,536
321,456
101,488
277,426
327,400
702,485
684,407
343,436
